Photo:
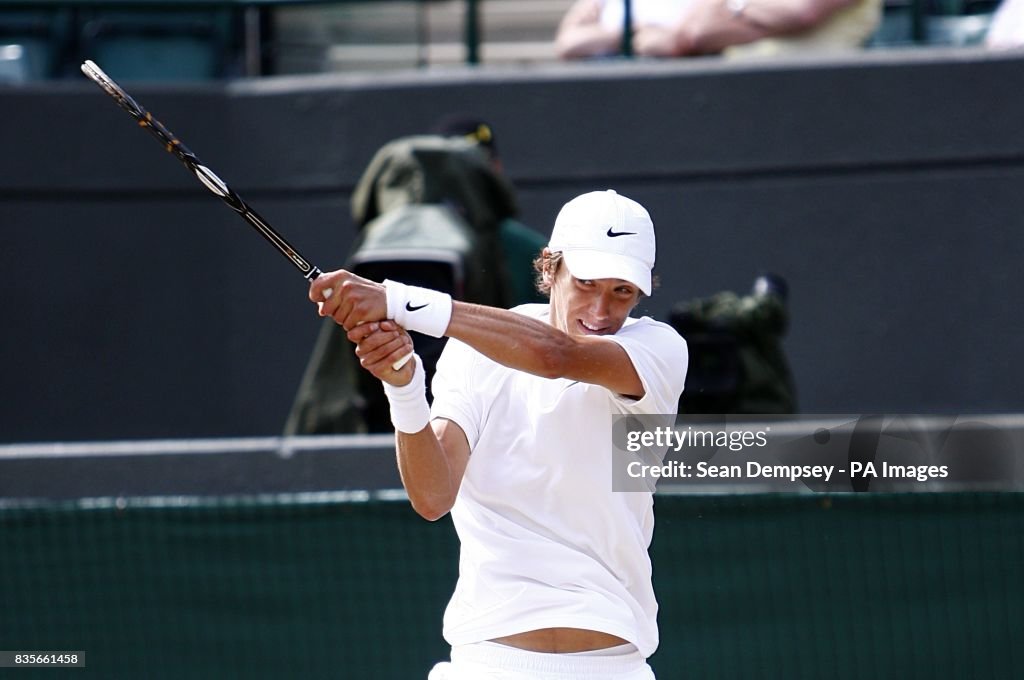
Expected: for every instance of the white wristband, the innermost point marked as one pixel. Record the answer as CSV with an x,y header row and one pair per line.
x,y
418,309
410,412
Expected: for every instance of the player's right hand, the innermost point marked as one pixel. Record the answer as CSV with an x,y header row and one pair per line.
x,y
352,300
379,346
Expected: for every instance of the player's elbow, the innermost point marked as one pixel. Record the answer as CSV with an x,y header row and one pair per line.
x,y
431,510
432,506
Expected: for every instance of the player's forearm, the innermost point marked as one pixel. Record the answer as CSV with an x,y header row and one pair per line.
x,y
426,472
534,346
511,339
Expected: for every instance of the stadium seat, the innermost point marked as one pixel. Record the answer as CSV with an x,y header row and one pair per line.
x,y
958,31
957,23
896,28
13,64
158,45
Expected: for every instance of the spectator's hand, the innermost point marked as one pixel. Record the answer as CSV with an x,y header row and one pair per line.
x,y
352,299
379,345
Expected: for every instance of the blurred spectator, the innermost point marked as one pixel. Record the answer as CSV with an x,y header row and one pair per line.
x,y
735,28
1007,28
520,244
593,28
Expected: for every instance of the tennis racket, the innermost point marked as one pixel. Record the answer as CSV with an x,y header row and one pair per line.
x,y
207,177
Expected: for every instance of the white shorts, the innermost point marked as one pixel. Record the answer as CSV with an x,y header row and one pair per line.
x,y
492,661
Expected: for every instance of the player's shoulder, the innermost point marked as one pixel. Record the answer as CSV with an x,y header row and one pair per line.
x,y
647,325
659,335
660,357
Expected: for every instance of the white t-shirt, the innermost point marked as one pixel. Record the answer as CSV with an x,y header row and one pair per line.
x,y
645,12
545,541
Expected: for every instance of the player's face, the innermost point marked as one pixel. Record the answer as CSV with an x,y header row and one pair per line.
x,y
590,306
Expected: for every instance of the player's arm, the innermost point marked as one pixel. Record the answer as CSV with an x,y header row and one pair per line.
x,y
536,347
509,338
432,463
432,456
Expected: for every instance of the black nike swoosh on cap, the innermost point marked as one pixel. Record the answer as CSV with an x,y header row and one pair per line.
x,y
613,234
409,307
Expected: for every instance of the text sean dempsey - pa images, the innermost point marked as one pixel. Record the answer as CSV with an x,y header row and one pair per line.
x,y
676,440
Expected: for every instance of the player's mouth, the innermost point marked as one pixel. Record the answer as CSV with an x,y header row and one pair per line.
x,y
590,329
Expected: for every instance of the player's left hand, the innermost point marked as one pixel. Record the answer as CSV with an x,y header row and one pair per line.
x,y
353,300
379,345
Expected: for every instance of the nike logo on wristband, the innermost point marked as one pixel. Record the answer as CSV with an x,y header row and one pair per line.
x,y
410,308
613,234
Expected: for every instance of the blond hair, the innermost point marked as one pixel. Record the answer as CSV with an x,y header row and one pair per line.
x,y
546,262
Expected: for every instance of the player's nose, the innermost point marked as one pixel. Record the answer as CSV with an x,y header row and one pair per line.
x,y
600,307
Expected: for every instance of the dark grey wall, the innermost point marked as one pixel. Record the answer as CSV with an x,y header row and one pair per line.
x,y
888,188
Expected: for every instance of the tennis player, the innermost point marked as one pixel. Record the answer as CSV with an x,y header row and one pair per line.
x,y
554,574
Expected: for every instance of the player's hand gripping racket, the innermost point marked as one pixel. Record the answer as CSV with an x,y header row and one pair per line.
x,y
210,180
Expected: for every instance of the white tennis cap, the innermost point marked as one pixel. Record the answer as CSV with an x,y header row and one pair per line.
x,y
603,235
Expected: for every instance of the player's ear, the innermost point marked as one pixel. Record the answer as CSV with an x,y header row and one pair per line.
x,y
550,267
